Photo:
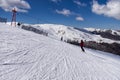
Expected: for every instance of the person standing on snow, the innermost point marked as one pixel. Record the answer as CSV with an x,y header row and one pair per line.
x,y
82,45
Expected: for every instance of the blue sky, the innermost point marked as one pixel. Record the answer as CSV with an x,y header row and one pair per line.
x,y
76,13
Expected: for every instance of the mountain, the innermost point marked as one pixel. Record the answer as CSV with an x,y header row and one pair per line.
x,y
67,32
104,40
106,33
25,55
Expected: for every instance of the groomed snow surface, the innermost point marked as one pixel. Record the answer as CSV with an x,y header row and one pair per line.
x,y
25,55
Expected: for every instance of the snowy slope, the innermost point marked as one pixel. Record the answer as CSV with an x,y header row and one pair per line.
x,y
25,55
69,33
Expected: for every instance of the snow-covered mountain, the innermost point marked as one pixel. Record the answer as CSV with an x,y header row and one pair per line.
x,y
105,33
104,40
25,55
113,32
70,33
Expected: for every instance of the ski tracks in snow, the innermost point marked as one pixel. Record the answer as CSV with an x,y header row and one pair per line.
x,y
28,56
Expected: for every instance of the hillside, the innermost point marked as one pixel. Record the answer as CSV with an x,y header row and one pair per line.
x,y
25,55
98,39
71,33
105,33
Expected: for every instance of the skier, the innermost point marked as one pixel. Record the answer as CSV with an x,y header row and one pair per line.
x,y
61,38
81,45
18,24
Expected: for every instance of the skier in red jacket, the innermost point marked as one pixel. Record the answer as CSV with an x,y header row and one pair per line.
x,y
82,45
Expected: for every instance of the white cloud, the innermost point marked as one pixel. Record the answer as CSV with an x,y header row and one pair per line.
x,y
56,1
110,9
20,5
79,3
79,18
65,12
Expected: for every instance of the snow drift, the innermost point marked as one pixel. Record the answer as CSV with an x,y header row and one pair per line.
x,y
25,55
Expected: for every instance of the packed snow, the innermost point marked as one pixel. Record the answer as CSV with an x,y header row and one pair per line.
x,y
25,55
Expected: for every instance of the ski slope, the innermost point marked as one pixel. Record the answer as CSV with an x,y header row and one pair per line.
x,y
25,55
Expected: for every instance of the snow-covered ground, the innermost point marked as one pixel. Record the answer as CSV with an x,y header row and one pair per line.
x,y
25,55
69,33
